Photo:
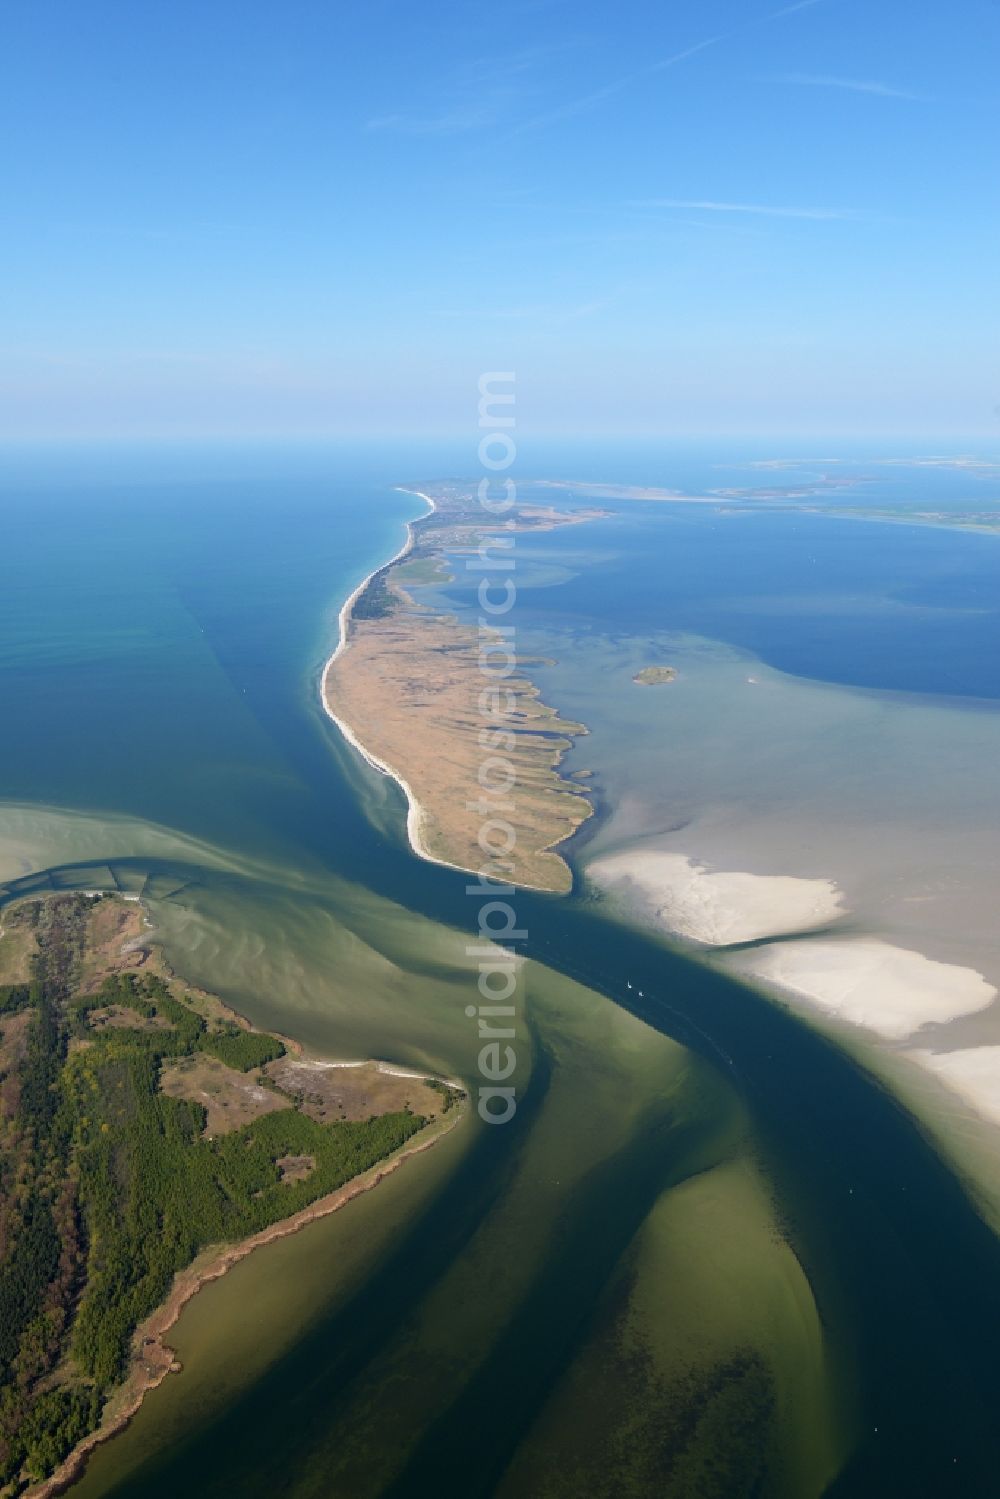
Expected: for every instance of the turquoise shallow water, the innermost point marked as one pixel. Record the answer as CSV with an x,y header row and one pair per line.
x,y
162,637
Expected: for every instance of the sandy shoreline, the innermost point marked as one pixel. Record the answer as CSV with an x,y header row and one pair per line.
x,y
415,815
158,1359
325,1064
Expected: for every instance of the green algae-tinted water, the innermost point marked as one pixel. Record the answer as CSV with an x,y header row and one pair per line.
x,y
708,1256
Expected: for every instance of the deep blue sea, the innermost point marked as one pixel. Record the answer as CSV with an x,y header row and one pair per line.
x,y
869,604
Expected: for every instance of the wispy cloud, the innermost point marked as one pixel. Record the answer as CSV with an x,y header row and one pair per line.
x,y
616,85
482,92
472,112
587,101
451,122
789,10
539,312
851,85
768,210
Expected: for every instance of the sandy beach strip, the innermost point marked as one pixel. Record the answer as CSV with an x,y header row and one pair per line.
x,y
415,814
387,1069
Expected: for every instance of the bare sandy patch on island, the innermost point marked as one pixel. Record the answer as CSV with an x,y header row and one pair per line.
x,y
230,1099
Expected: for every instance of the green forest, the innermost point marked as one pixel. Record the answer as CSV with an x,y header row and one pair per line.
x,y
108,1187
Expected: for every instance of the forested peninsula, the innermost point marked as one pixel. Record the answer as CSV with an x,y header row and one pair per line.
x,y
142,1121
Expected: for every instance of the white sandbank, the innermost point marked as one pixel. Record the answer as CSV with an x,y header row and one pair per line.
x,y
717,908
864,981
973,1074
892,991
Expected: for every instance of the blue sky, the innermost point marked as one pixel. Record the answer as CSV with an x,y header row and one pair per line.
x,y
322,218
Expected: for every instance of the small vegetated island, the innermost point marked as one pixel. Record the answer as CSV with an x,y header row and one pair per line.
x,y
149,1137
408,685
655,676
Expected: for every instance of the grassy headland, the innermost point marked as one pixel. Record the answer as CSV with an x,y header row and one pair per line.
x,y
407,685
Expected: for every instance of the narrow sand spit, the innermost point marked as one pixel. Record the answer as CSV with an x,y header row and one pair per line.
x,y
716,908
417,819
892,991
415,815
